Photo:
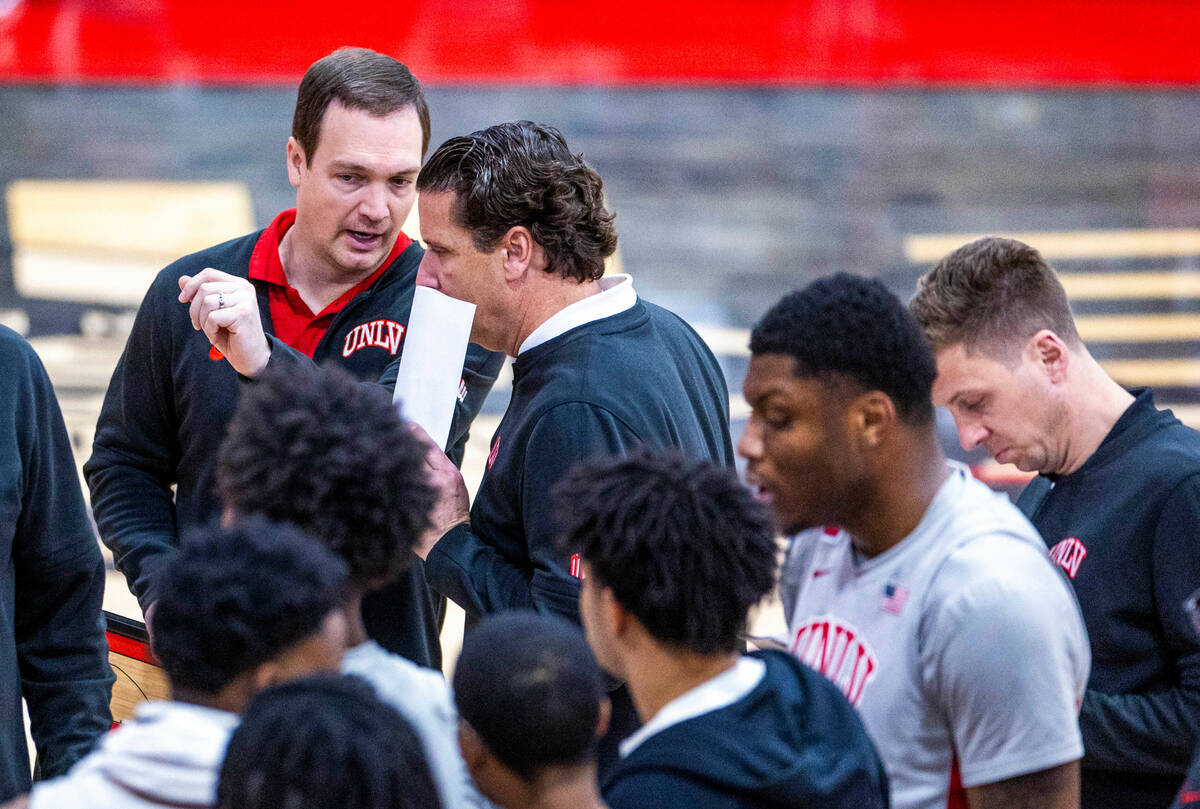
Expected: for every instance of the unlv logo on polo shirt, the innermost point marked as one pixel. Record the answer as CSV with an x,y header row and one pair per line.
x,y
1068,555
836,650
385,334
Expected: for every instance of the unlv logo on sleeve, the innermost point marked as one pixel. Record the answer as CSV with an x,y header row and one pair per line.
x,y
495,451
1068,555
385,334
836,650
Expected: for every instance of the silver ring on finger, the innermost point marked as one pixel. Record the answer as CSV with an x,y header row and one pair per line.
x,y
220,300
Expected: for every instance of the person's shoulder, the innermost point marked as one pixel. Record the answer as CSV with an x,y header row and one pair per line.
x,y
995,578
392,675
634,787
14,347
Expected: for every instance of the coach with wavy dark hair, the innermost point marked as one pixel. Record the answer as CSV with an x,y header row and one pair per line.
x,y
516,223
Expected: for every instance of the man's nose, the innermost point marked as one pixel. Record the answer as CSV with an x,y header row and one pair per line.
x,y
425,276
373,203
749,446
970,433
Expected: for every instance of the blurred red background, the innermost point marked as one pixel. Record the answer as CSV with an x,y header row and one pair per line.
x,y
788,42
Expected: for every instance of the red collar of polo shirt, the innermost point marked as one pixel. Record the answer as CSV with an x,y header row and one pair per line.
x,y
266,266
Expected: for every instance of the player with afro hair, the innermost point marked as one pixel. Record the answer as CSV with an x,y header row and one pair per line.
x,y
238,609
333,455
324,743
674,553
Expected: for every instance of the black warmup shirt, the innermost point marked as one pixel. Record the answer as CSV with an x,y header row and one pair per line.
x,y
642,376
793,742
1125,527
168,406
52,648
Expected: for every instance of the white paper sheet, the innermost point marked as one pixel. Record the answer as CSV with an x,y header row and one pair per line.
x,y
435,346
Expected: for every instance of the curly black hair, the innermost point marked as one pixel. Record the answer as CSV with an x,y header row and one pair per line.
x,y
530,688
681,542
234,598
324,742
523,173
854,328
330,454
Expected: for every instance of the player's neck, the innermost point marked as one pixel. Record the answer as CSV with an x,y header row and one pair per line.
x,y
1096,403
566,788
660,675
899,498
549,296
316,281
356,630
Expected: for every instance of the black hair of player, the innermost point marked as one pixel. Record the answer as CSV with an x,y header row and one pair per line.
x,y
324,742
682,544
530,688
234,598
849,327
524,174
358,79
331,455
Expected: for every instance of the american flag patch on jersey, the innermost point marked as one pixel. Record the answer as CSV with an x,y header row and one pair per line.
x,y
894,596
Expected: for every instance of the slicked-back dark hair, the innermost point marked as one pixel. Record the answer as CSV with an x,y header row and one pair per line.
x,y
235,598
682,543
324,742
849,327
524,174
331,455
530,688
359,79
994,293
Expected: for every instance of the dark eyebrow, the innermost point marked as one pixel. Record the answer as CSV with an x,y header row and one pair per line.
x,y
958,395
765,395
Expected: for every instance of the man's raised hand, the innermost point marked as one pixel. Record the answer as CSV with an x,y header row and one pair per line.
x,y
225,308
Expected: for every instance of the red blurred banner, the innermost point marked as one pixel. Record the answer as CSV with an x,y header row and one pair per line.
x,y
789,42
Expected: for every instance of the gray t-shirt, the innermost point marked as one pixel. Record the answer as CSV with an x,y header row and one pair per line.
x,y
422,697
962,647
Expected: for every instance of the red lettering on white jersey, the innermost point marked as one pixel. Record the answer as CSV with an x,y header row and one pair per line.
x,y
836,651
385,334
1068,555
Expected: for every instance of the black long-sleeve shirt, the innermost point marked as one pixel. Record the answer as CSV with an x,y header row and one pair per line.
x,y
642,376
1125,527
168,406
52,647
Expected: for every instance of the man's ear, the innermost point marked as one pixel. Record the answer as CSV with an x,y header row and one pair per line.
x,y
871,418
474,752
617,617
522,253
604,717
296,161
1049,353
266,675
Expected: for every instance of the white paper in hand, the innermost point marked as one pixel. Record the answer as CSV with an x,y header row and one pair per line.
x,y
435,346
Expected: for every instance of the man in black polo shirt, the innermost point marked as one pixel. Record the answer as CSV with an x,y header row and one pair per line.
x,y
331,280
1117,500
515,223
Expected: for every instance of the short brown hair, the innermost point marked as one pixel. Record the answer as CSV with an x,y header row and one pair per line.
x,y
523,173
360,79
992,291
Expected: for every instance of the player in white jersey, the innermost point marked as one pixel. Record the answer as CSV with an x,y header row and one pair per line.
x,y
934,608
